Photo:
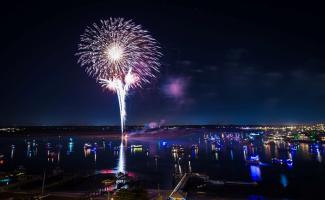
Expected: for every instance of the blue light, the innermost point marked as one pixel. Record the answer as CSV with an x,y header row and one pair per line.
x,y
255,158
284,180
255,173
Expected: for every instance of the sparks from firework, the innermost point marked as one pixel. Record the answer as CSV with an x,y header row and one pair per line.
x,y
120,55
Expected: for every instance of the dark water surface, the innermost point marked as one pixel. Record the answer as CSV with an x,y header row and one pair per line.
x,y
156,164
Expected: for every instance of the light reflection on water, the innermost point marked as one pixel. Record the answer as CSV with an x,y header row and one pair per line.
x,y
121,159
157,162
284,180
255,173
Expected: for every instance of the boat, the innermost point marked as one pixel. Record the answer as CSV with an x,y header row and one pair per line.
x,y
108,182
87,146
136,146
177,149
278,161
253,160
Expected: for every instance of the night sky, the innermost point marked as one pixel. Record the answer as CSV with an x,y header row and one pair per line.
x,y
234,63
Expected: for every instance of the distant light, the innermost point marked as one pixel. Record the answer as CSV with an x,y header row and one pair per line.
x,y
5,180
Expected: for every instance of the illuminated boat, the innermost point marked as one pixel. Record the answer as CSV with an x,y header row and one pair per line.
x,y
136,146
87,146
289,162
108,182
177,149
253,160
279,161
163,143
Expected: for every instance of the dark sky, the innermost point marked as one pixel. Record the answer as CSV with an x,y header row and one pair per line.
x,y
233,63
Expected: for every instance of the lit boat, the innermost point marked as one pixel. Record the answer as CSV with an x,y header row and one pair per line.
x,y
279,161
254,160
108,182
87,146
289,162
136,146
163,143
175,148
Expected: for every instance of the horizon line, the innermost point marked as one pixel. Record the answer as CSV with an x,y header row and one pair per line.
x,y
167,125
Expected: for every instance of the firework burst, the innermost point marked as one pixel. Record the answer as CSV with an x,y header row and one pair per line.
x,y
120,55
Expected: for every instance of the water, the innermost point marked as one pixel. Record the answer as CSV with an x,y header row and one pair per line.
x,y
156,164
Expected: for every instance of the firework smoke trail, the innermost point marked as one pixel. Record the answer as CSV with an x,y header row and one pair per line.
x,y
120,55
